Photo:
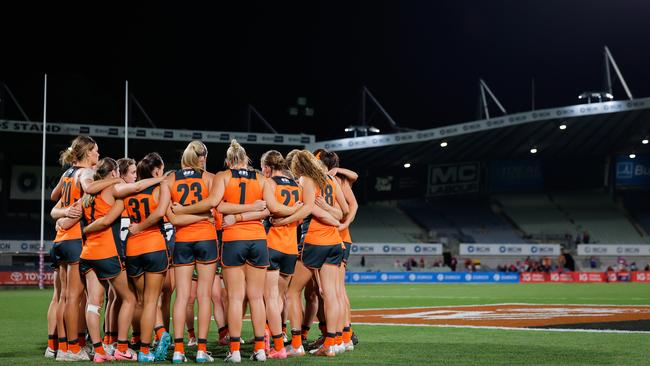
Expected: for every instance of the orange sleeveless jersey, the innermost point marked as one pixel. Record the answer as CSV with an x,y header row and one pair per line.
x,y
244,188
317,232
188,189
70,193
284,239
139,208
100,244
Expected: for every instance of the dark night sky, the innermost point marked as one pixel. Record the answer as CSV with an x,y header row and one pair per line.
x,y
195,67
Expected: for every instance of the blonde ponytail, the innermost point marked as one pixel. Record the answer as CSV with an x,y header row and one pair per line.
x,y
191,156
236,155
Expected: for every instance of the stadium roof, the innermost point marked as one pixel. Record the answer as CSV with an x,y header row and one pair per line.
x,y
597,129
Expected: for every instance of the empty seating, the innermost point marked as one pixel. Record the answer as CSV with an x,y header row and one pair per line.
x,y
535,214
465,220
384,223
596,213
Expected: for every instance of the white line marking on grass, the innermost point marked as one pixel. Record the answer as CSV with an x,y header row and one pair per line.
x,y
562,330
420,297
498,304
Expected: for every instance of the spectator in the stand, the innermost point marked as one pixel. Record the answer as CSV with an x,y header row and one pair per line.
x,y
528,264
397,264
569,263
561,262
519,266
633,267
546,264
414,263
421,262
585,237
568,239
578,238
408,266
363,261
647,268
469,266
513,268
593,263
453,263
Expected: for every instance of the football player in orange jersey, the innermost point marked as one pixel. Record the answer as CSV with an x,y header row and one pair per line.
x,y
127,170
81,156
195,244
345,178
147,258
283,197
322,251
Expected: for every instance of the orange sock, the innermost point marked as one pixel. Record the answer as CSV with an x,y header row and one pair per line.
x,y
73,346
112,337
305,332
259,344
159,332
203,344
347,335
63,344
144,348
135,338
339,338
50,341
329,340
234,344
178,345
99,348
122,346
296,339
278,342
107,339
190,333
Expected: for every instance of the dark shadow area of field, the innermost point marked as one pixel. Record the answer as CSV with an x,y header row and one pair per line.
x,y
632,325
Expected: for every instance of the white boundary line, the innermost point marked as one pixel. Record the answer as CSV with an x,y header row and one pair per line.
x,y
502,304
509,328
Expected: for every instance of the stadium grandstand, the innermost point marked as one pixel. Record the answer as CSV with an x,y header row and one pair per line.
x,y
474,182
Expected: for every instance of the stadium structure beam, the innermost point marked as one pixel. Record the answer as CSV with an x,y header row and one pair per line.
x,y
365,93
13,98
610,59
142,110
459,129
484,87
252,110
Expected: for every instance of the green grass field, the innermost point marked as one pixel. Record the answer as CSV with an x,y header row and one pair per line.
x,y
23,332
